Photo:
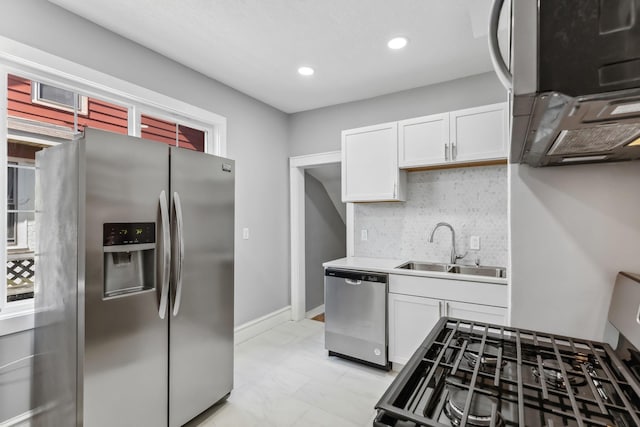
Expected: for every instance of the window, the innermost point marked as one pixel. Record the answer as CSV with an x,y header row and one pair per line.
x,y
12,189
56,97
172,133
41,114
20,220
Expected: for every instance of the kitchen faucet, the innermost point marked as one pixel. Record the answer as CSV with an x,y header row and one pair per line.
x,y
454,256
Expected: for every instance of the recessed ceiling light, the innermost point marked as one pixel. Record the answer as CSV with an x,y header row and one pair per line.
x,y
397,43
306,71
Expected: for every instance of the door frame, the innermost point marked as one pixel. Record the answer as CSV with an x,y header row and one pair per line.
x,y
297,167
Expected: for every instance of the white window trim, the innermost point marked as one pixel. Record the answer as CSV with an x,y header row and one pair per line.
x,y
25,61
83,108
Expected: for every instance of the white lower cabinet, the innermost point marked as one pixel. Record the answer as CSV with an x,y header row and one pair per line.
x,y
410,320
413,312
476,312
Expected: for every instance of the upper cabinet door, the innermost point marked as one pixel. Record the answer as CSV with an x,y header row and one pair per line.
x,y
423,141
479,133
370,164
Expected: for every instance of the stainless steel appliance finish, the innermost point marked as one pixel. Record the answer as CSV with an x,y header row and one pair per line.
x,y
575,80
474,270
201,332
454,255
356,316
115,343
476,374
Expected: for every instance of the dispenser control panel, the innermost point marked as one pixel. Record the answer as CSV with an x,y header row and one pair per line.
x,y
128,233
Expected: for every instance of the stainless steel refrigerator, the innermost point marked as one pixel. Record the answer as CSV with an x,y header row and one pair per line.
x,y
134,310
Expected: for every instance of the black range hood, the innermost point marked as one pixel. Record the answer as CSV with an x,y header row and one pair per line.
x,y
575,80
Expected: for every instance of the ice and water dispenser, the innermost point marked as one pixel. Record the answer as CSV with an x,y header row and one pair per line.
x,y
129,251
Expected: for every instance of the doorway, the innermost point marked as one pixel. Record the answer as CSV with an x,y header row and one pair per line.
x,y
309,172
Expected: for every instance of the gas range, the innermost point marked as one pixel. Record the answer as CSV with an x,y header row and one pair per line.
x,y
474,374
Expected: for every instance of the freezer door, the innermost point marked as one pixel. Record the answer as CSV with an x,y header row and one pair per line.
x,y
126,346
201,323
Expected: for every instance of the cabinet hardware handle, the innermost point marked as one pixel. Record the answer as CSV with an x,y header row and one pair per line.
x,y
440,309
446,151
446,309
454,151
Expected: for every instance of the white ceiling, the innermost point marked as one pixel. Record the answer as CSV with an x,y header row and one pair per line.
x,y
256,46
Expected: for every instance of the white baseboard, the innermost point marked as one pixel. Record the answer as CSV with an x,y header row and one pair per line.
x,y
22,420
315,311
261,324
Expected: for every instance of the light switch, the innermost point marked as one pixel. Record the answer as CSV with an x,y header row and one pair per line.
x,y
363,234
245,233
474,243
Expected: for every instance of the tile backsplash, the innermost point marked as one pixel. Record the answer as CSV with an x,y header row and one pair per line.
x,y
473,200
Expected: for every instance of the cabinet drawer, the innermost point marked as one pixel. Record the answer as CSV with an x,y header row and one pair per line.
x,y
453,290
476,312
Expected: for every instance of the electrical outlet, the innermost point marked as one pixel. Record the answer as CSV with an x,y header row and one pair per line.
x,y
363,234
474,243
245,233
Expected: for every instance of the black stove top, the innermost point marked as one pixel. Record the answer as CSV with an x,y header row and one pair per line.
x,y
474,374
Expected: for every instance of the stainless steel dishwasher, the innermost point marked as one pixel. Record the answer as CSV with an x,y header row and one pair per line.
x,y
356,316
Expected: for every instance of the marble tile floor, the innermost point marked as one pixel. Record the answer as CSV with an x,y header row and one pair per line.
x,y
284,377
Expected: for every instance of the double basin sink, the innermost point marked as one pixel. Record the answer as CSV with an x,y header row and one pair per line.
x,y
473,270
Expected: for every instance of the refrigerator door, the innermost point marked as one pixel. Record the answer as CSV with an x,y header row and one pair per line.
x,y
126,347
201,323
54,392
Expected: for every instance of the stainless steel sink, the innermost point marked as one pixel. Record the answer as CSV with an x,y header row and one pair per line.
x,y
457,269
478,271
425,266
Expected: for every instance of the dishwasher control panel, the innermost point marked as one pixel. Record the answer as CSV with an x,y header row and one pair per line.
x,y
356,275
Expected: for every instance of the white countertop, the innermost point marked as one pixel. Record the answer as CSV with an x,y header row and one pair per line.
x,y
385,265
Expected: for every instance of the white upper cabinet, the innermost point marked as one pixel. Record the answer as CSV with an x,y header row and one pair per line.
x,y
464,136
423,140
370,170
479,133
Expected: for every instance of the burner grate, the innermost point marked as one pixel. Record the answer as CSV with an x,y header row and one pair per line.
x,y
606,394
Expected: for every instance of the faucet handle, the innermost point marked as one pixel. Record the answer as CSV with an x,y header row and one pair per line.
x,y
461,256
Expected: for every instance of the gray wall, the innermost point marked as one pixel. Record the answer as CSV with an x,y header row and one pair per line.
x,y
319,130
256,137
16,352
572,229
325,238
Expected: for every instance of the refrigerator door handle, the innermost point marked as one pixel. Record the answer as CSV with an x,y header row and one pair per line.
x,y
179,260
166,255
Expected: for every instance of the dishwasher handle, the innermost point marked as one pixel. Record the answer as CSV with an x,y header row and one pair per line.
x,y
356,276
352,282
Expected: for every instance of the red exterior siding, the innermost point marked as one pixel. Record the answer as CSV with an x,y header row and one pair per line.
x,y
22,151
100,114
164,131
